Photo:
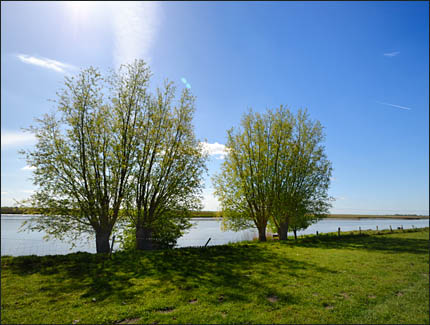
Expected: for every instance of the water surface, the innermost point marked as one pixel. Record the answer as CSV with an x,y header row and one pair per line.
x,y
27,243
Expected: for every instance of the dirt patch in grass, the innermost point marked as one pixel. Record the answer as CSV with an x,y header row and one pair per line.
x,y
166,310
130,321
272,299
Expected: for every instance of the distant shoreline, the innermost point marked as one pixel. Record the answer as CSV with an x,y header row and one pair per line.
x,y
214,214
374,216
347,216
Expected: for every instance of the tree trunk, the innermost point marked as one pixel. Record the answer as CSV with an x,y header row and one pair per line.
x,y
144,240
295,234
283,231
102,242
262,233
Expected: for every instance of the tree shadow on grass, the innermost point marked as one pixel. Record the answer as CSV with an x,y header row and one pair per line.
x,y
239,272
387,243
76,272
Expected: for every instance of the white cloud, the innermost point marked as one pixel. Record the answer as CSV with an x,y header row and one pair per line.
x,y
210,203
28,168
135,26
14,138
46,63
398,106
214,149
10,198
391,54
27,191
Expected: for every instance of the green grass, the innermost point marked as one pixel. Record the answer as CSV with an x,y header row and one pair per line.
x,y
327,279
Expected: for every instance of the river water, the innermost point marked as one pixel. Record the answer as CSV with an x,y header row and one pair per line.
x,y
17,243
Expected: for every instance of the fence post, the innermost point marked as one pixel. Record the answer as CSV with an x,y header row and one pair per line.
x,y
207,242
317,232
111,246
376,228
401,226
391,229
359,229
338,231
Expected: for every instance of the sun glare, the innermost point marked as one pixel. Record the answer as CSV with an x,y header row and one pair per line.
x,y
80,9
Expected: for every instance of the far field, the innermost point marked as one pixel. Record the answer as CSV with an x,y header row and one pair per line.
x,y
212,214
365,279
374,216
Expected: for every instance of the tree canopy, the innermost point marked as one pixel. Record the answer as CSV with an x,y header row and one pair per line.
x,y
167,177
111,140
276,170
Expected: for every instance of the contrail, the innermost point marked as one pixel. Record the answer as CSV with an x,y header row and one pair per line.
x,y
391,54
398,106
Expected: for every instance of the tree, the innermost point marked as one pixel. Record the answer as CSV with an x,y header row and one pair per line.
x,y
301,219
303,176
281,134
276,169
84,156
244,183
167,178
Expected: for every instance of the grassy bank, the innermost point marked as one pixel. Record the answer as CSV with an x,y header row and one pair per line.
x,y
327,279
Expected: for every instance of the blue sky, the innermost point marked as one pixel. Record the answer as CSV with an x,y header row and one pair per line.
x,y
361,68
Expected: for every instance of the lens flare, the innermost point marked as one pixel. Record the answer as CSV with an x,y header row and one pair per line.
x,y
186,83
